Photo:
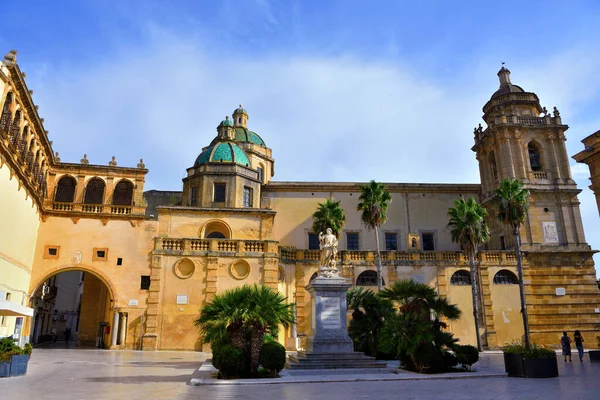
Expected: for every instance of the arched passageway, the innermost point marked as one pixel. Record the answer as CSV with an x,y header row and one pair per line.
x,y
73,307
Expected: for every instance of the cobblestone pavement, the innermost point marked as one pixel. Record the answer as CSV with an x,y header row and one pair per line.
x,y
61,373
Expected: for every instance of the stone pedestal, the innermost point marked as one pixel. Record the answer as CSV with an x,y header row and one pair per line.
x,y
328,332
328,346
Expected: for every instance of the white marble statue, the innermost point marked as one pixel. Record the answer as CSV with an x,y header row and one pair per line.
x,y
328,244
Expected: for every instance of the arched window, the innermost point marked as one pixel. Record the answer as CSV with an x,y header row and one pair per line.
x,y
313,277
65,190
367,278
6,114
94,191
15,128
215,235
23,141
505,277
493,166
123,194
535,157
460,278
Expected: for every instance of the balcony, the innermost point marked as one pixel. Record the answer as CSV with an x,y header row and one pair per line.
x,y
293,255
194,246
96,209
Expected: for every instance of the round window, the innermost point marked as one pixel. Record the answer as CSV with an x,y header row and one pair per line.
x,y
240,269
185,268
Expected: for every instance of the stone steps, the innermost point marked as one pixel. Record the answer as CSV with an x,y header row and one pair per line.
x,y
333,361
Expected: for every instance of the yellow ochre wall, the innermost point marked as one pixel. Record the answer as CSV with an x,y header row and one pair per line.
x,y
20,220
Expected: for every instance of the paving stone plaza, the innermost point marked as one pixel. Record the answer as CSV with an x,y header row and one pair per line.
x,y
69,373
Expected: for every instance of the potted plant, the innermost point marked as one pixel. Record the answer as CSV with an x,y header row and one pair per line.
x,y
533,362
595,354
13,359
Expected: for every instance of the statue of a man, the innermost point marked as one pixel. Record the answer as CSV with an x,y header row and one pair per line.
x,y
328,244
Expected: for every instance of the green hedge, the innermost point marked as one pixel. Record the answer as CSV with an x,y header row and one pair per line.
x,y
230,361
272,357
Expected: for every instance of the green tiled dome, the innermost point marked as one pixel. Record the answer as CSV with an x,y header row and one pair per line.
x,y
226,152
240,110
244,135
226,122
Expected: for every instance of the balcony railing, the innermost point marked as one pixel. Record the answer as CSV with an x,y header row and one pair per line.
x,y
104,209
189,245
293,255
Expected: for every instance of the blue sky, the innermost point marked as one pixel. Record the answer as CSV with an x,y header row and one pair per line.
x,y
340,90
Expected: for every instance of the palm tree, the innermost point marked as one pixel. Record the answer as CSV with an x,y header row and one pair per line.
x,y
513,201
254,310
266,310
329,215
373,202
369,314
468,228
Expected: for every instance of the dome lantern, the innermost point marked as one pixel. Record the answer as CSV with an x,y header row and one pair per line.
x,y
240,117
226,130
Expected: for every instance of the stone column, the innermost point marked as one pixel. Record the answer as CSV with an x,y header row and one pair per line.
x,y
510,167
522,170
270,272
115,330
212,271
123,329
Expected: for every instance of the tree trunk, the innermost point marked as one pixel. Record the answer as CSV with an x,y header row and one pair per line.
x,y
521,285
256,343
379,277
475,296
236,334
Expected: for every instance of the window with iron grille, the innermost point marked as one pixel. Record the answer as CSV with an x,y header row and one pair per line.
x,y
391,241
367,278
65,190
351,241
123,194
460,278
247,196
427,241
94,191
313,241
505,277
145,282
535,158
219,193
194,196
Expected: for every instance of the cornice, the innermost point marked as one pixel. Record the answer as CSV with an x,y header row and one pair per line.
x,y
354,187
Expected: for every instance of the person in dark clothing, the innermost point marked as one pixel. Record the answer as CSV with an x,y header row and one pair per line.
x,y
565,342
67,334
579,344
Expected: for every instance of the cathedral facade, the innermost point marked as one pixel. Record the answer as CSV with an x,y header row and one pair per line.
x,y
151,259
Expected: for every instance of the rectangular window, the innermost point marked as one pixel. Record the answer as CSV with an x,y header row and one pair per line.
x,y
502,244
427,241
248,196
313,241
391,241
352,240
99,254
145,282
3,321
7,297
260,174
119,261
51,251
194,196
219,193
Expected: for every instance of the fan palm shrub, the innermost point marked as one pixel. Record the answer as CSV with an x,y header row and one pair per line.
x,y
512,200
468,227
373,203
242,316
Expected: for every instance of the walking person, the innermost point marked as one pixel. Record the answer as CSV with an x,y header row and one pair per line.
x,y
565,342
579,344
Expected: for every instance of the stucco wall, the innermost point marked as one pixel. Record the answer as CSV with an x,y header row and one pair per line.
x,y
18,233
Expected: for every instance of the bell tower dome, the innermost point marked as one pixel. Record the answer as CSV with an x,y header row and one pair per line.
x,y
240,117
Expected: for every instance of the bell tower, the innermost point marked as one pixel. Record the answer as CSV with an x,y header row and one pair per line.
x,y
524,141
